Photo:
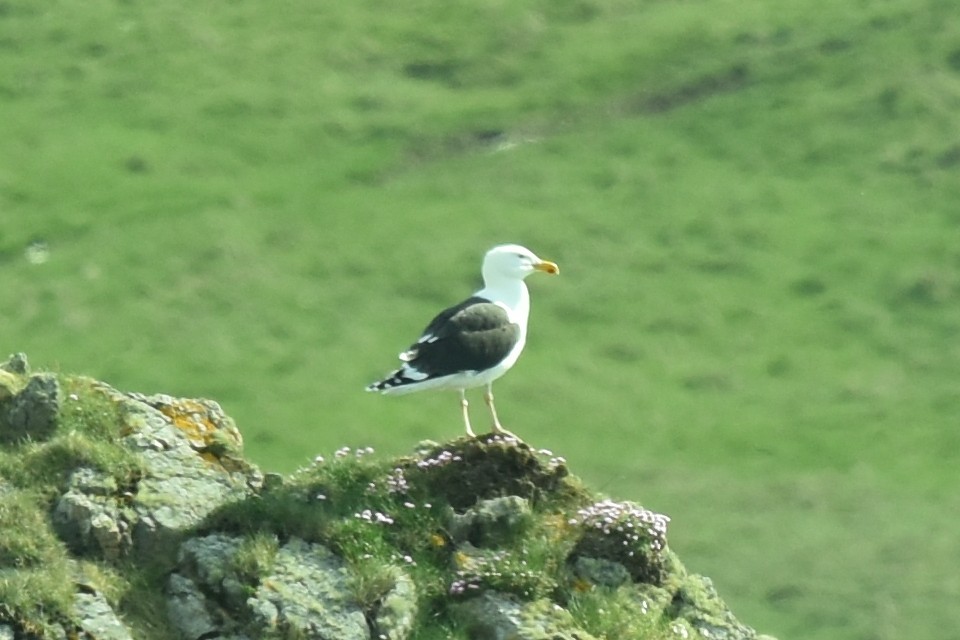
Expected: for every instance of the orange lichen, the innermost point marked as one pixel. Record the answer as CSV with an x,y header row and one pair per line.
x,y
203,423
580,585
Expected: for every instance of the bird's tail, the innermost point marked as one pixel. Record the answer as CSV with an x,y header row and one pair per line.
x,y
406,379
398,381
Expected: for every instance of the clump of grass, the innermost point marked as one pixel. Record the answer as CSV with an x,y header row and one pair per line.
x,y
611,614
107,580
310,502
27,540
371,580
47,465
255,556
142,600
503,570
36,587
88,409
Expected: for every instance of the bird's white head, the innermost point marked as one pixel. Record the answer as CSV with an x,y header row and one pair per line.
x,y
513,262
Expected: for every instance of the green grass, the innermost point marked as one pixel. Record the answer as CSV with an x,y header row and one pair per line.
x,y
35,580
753,205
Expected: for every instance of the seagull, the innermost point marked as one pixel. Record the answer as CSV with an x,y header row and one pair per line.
x,y
473,343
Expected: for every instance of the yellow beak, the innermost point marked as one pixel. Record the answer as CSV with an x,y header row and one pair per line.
x,y
547,267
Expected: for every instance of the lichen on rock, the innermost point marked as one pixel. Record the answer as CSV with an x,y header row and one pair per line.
x,y
304,593
176,489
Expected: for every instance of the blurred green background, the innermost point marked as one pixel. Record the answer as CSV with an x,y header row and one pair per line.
x,y
754,205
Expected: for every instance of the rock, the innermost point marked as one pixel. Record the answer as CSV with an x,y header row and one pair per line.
x,y
180,485
238,556
397,613
304,594
32,413
210,431
309,587
602,572
494,616
491,522
17,363
697,602
187,609
209,562
97,618
87,517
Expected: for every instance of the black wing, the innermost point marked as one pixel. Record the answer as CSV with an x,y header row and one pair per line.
x,y
473,335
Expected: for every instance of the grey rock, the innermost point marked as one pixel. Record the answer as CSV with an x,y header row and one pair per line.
x,y
207,427
494,616
698,603
97,618
187,609
209,561
88,518
182,481
93,482
490,522
16,363
599,571
265,613
221,586
33,411
305,594
308,586
181,486
272,481
395,618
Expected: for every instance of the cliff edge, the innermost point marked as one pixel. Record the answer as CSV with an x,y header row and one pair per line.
x,y
125,515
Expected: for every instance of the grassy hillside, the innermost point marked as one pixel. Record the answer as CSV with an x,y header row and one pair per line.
x,y
753,206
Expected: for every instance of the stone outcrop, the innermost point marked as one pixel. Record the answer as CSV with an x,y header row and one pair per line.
x,y
168,532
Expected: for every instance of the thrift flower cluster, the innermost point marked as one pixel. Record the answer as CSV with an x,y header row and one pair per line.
x,y
626,521
397,482
374,517
498,570
343,452
554,461
461,586
440,460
